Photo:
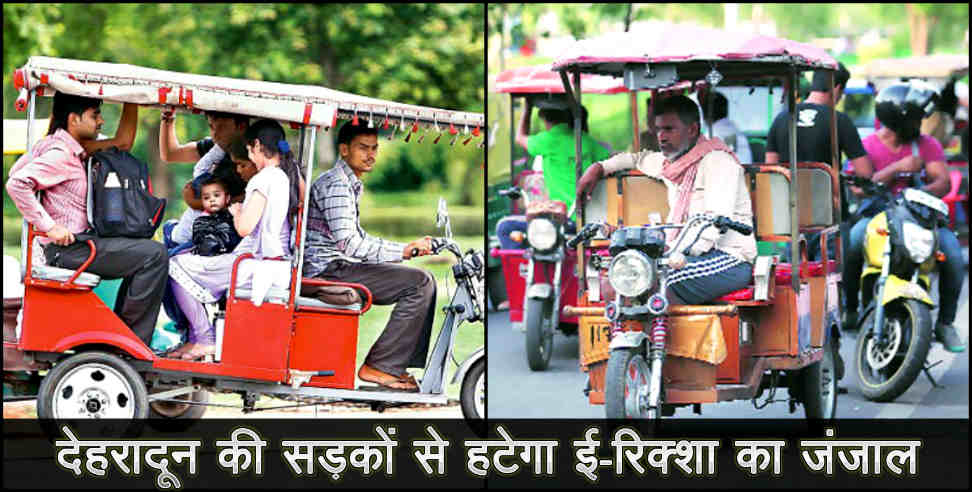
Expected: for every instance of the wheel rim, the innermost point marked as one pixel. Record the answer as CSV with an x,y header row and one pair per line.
x,y
479,396
880,355
170,409
828,384
93,391
636,387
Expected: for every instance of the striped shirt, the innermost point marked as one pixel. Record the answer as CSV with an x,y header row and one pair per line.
x,y
334,225
54,166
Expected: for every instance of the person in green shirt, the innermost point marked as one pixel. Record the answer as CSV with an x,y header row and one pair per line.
x,y
556,147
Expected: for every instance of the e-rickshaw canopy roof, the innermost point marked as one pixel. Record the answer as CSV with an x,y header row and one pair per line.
x,y
304,104
694,49
932,66
541,80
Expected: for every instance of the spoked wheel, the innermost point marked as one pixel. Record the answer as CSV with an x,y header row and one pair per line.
x,y
886,369
539,335
819,385
626,385
473,393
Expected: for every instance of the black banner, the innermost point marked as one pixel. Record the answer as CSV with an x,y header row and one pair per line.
x,y
402,454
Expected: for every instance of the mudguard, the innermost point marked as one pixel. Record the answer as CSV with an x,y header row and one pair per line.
x,y
539,291
460,373
627,339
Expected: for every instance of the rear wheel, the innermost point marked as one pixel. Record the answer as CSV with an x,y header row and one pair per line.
x,y
887,369
819,385
167,415
539,336
626,384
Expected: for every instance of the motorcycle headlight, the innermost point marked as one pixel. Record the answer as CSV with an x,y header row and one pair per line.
x,y
542,234
918,241
631,273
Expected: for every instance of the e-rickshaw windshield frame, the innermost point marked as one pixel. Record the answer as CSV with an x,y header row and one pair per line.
x,y
760,68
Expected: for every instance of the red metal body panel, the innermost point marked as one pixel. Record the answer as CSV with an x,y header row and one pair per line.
x,y
58,320
516,284
326,342
257,338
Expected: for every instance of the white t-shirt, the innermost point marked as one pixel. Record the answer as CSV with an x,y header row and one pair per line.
x,y
270,238
182,232
726,130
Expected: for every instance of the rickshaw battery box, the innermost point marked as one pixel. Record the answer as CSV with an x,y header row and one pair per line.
x,y
326,342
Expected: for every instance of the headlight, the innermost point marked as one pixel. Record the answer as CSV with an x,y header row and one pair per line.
x,y
631,273
542,234
918,241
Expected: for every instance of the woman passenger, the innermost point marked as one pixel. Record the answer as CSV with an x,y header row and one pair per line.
x,y
263,220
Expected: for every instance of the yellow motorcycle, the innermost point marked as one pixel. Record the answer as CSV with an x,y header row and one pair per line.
x,y
900,251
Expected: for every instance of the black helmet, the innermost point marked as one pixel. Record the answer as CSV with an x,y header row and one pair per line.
x,y
902,105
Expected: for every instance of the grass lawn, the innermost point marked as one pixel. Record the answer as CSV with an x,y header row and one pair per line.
x,y
468,339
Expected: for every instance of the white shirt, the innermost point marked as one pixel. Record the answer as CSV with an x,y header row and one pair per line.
x,y
726,130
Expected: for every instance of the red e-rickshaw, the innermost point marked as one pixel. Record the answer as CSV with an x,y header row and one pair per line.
x,y
550,270
306,349
646,358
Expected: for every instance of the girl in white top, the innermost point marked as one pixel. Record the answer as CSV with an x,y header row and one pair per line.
x,y
263,220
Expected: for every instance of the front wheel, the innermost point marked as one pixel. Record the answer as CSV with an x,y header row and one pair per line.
x,y
819,385
539,338
886,370
92,385
473,393
626,385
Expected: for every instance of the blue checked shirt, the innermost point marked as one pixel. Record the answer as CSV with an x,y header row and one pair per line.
x,y
334,226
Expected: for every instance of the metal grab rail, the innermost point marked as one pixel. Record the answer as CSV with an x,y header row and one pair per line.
x,y
69,284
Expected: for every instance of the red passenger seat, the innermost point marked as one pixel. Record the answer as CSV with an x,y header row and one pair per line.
x,y
784,273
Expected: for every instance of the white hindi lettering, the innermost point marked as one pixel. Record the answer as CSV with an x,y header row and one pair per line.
x,y
74,449
299,451
156,456
902,456
586,454
824,457
755,456
238,454
426,455
334,459
476,450
622,453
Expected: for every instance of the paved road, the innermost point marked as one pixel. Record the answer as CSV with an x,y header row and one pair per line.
x,y
516,392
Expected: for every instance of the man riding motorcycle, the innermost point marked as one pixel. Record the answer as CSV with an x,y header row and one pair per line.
x,y
898,147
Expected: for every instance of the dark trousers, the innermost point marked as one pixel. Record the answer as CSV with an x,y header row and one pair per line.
x,y
405,340
144,265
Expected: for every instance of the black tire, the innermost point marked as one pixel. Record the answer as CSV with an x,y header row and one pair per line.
x,y
539,342
617,387
819,385
134,397
169,416
897,376
46,401
468,394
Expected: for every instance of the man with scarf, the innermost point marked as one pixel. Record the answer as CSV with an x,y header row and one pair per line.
x,y
703,176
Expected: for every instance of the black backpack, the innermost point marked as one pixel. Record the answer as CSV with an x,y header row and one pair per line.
x,y
120,203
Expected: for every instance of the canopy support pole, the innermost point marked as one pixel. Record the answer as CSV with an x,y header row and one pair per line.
x,y
308,140
31,109
513,131
634,121
794,184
